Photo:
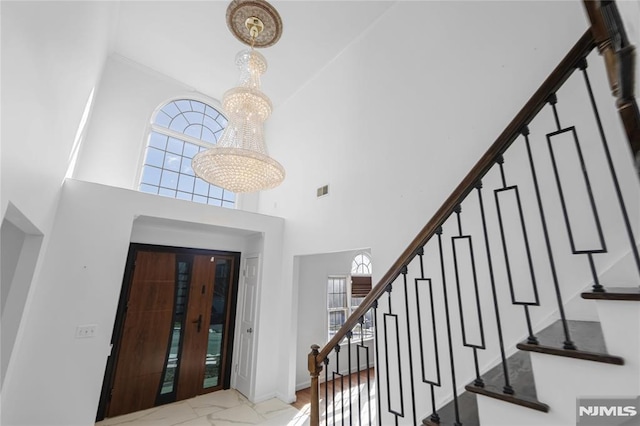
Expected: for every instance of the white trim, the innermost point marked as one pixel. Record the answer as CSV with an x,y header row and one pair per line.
x,y
193,96
177,135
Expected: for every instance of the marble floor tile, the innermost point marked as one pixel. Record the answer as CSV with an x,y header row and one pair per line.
x,y
242,415
200,421
222,408
217,401
288,417
271,407
126,418
165,415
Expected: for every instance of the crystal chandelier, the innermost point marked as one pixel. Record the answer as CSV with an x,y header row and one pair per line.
x,y
239,162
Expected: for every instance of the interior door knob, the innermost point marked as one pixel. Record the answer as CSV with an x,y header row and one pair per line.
x,y
249,330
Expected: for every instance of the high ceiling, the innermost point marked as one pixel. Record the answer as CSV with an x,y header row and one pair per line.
x,y
190,42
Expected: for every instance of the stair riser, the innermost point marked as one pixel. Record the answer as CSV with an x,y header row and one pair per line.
x,y
560,381
620,323
493,412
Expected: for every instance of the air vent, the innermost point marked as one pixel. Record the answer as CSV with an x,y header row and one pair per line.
x,y
322,191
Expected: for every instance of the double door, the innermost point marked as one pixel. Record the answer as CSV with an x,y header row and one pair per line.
x,y
174,335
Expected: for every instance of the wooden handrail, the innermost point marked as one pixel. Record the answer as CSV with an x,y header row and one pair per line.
x,y
559,75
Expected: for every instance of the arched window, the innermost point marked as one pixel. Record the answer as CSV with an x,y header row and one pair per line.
x,y
180,130
361,264
345,293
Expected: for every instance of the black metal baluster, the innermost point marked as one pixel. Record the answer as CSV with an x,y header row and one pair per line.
x,y
434,414
411,378
448,320
478,380
616,183
375,338
326,390
368,383
361,345
393,316
337,373
568,343
532,339
349,336
507,388
597,287
361,322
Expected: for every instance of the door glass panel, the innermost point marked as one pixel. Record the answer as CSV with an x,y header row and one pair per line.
x,y
213,361
182,287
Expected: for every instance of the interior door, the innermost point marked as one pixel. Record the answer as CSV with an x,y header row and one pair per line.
x,y
247,323
142,348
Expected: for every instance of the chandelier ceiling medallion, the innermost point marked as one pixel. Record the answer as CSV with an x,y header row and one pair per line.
x,y
239,162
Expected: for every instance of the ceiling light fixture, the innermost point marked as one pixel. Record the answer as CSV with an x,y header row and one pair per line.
x,y
239,162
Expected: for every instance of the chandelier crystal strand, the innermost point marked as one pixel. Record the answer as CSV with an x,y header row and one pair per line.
x,y
239,162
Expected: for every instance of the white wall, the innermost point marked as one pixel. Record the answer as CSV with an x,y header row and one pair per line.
x,y
393,127
117,133
52,58
311,286
116,136
21,244
80,282
12,241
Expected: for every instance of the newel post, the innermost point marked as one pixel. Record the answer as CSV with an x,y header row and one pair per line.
x,y
314,371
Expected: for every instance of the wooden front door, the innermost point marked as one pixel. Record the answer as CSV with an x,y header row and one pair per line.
x,y
174,336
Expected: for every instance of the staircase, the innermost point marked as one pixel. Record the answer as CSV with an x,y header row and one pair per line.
x,y
518,303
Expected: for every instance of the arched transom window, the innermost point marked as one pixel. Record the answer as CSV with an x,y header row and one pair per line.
x,y
361,264
180,130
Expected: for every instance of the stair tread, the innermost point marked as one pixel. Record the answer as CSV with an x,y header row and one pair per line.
x,y
517,399
586,335
521,380
614,293
468,409
520,375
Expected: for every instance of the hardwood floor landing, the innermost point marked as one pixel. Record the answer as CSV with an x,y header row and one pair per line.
x,y
303,395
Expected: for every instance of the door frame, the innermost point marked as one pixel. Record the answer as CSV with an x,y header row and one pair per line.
x,y
118,326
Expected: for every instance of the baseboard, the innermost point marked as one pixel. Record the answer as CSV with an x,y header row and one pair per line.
x,y
287,399
266,397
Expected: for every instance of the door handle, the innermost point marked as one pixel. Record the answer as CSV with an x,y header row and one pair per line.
x,y
249,330
199,322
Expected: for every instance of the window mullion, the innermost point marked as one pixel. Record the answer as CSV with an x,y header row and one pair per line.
x,y
177,135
